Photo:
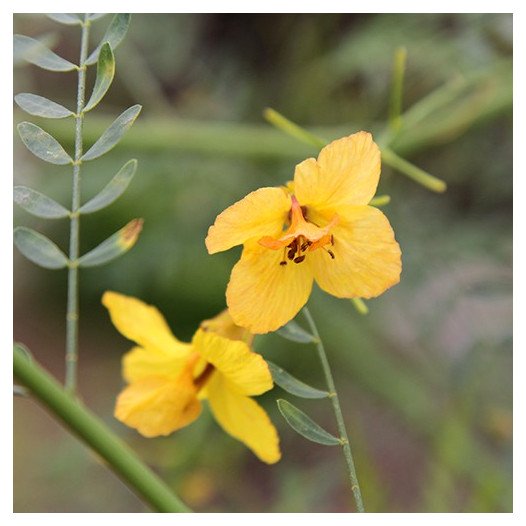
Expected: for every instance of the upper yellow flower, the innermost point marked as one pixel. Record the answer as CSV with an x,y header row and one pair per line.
x,y
319,227
168,378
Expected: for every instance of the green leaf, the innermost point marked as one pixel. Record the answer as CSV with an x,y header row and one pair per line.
x,y
113,190
96,16
70,19
292,331
113,134
35,52
293,385
114,35
305,426
39,249
113,247
38,204
20,53
41,107
105,72
42,144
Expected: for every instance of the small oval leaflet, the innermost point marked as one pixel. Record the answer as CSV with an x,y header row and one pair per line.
x,y
43,145
41,107
113,247
36,53
38,204
294,332
305,426
70,19
114,35
105,73
292,385
113,190
113,134
39,249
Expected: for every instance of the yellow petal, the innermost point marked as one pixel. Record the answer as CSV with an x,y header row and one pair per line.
x,y
140,363
367,258
224,325
263,295
143,324
244,419
247,371
260,213
346,173
158,405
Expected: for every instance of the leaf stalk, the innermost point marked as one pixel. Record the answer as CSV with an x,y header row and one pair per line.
x,y
344,440
72,314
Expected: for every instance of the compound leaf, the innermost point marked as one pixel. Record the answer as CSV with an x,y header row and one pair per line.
x,y
113,134
114,35
70,19
113,190
35,52
38,204
42,144
39,249
305,426
41,107
292,385
105,73
294,332
113,247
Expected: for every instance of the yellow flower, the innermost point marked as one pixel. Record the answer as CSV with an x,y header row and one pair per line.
x,y
318,227
168,378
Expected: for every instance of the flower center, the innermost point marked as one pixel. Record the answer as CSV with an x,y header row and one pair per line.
x,y
301,236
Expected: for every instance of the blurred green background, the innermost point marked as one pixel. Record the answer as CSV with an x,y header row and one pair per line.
x,y
425,379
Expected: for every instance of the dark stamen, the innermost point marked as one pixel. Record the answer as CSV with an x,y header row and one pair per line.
x,y
200,381
299,259
331,253
282,263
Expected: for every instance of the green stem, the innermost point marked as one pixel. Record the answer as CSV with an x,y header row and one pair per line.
x,y
355,486
395,103
72,315
79,420
413,172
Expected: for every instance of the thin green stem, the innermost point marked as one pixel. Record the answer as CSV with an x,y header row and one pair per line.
x,y
291,128
346,446
395,103
91,430
413,172
72,315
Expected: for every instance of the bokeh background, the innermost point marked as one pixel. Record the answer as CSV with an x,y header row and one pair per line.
x,y
424,379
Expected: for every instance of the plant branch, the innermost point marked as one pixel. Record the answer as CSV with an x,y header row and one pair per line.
x,y
355,486
83,423
72,315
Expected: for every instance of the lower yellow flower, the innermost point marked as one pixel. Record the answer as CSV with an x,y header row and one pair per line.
x,y
168,378
319,227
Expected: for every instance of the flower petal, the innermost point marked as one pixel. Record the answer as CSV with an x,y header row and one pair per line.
x,y
143,324
263,295
244,419
247,371
346,173
261,212
158,405
367,258
140,363
224,325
